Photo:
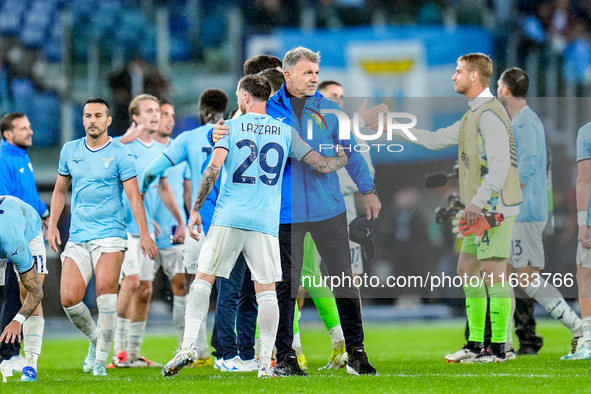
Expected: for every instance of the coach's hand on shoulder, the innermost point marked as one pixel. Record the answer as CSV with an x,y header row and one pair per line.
x,y
148,246
195,220
584,238
52,236
219,131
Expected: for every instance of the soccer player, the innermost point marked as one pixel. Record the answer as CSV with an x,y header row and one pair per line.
x,y
99,169
489,180
137,269
21,241
170,254
246,218
583,249
317,208
527,251
17,179
193,148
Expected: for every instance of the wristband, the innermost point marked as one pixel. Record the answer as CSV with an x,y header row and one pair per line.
x,y
371,191
19,318
582,218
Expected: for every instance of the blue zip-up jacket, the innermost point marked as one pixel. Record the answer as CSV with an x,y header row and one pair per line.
x,y
307,195
16,177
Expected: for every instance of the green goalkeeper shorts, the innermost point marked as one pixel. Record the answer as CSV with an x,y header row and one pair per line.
x,y
495,243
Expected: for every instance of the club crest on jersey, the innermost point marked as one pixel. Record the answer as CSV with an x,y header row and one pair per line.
x,y
107,162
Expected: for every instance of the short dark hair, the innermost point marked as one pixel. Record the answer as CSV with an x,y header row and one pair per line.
x,y
212,105
516,81
99,100
6,122
259,63
323,85
164,101
274,77
257,86
480,63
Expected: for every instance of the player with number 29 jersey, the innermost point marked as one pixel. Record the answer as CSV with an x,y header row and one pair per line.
x,y
250,195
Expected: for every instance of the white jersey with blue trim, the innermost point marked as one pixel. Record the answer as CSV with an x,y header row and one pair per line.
x,y
19,224
97,188
584,153
176,179
250,196
193,147
144,154
530,143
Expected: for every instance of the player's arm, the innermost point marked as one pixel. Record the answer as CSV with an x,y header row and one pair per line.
x,y
526,145
188,187
496,144
147,244
167,197
436,140
30,281
302,151
131,134
208,181
58,202
583,189
154,170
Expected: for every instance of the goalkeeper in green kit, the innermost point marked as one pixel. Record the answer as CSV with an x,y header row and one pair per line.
x,y
490,191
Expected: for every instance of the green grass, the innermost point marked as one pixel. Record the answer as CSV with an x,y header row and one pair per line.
x,y
408,357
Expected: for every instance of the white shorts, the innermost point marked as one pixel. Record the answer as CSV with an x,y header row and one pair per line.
x,y
135,263
191,251
171,261
223,245
86,255
583,256
527,248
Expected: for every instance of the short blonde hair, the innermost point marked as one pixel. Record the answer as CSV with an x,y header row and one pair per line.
x,y
134,106
480,63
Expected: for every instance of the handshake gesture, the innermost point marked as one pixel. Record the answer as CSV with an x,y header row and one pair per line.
x,y
485,221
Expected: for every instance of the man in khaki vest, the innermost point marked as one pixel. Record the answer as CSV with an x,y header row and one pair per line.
x,y
489,181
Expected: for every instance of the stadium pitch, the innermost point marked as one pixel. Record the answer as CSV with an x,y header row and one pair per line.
x,y
408,357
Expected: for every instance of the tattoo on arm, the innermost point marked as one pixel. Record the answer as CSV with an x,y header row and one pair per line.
x,y
34,292
210,177
324,164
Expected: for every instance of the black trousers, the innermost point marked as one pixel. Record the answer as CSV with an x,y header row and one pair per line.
x,y
332,241
11,304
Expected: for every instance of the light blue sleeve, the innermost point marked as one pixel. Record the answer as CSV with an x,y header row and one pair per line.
x,y
126,165
63,163
526,141
177,151
584,143
187,172
154,170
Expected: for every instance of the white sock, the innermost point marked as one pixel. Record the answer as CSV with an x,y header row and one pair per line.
x,y
120,343
178,316
337,337
550,298
106,324
33,336
196,311
297,344
201,343
268,320
587,331
509,343
135,337
80,316
257,347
